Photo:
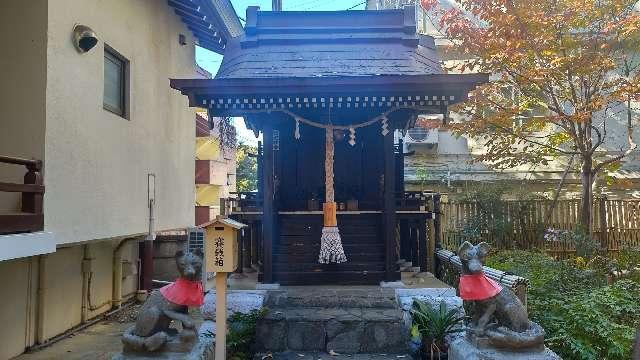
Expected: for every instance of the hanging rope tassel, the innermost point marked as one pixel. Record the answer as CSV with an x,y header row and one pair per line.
x,y
296,133
331,250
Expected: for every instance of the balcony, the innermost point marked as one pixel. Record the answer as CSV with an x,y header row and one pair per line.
x,y
21,232
211,172
243,202
30,217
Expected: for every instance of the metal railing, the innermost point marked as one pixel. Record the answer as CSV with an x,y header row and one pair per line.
x,y
245,201
415,200
30,217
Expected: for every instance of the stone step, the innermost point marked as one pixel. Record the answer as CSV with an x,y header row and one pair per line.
x,y
352,265
321,297
326,314
343,330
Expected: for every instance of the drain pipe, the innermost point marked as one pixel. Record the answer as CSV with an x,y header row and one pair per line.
x,y
116,296
147,262
86,268
41,296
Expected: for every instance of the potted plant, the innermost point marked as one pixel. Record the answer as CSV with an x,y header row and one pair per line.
x,y
433,324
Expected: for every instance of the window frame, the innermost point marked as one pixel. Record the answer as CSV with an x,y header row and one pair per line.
x,y
124,93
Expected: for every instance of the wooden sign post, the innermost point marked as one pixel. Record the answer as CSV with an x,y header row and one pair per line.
x,y
221,257
221,316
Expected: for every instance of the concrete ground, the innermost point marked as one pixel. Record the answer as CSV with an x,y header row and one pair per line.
x,y
97,342
102,340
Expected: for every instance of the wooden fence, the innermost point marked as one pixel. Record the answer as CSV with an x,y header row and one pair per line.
x,y
523,224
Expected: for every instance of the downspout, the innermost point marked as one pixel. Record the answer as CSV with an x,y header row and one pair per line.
x,y
148,249
41,296
116,296
147,256
84,314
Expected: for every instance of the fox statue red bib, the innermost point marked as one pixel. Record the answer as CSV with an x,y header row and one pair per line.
x,y
184,292
478,287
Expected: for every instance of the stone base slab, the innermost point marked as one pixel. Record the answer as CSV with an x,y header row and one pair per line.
x,y
175,349
296,355
463,349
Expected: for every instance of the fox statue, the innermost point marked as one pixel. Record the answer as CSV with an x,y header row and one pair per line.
x,y
170,303
499,315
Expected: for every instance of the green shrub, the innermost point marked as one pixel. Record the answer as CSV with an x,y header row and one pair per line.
x,y
596,325
546,275
242,332
435,323
582,316
627,265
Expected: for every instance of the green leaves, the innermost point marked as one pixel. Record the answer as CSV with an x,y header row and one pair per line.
x,y
247,168
583,317
242,330
558,68
435,323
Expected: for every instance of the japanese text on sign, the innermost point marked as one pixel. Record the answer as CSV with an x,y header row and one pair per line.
x,y
219,251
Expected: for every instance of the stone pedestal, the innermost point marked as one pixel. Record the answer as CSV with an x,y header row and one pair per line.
x,y
177,348
462,348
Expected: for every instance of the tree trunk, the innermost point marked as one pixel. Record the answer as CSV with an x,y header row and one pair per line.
x,y
587,177
558,190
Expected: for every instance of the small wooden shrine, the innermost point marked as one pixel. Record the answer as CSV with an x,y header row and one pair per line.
x,y
323,85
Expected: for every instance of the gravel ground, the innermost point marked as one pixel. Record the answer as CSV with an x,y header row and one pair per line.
x,y
127,315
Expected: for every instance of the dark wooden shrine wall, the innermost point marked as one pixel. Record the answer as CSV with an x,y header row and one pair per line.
x,y
299,165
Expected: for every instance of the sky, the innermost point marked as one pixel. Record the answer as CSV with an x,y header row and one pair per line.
x,y
210,61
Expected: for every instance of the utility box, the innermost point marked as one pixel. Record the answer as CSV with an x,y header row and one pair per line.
x,y
221,245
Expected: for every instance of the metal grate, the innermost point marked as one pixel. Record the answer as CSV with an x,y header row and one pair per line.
x,y
195,240
418,134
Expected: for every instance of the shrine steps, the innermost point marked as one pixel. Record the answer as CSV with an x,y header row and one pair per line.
x,y
330,278
295,254
355,320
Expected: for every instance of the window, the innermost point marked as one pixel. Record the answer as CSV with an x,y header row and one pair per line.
x,y
116,83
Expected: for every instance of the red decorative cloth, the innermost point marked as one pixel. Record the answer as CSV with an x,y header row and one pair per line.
x,y
477,287
184,292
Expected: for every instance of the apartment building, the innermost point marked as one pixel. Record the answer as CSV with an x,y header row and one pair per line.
x,y
91,134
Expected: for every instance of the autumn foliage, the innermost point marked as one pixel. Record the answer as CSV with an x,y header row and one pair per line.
x,y
564,71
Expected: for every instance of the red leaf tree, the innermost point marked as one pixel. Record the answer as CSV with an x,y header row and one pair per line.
x,y
565,71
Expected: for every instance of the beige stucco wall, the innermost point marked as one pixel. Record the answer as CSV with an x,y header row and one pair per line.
x,y
23,26
17,313
61,288
96,163
63,284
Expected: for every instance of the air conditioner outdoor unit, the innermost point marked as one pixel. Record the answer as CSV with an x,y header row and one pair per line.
x,y
422,136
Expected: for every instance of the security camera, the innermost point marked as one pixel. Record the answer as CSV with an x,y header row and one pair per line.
x,y
84,38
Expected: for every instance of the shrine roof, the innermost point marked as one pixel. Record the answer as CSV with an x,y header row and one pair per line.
x,y
224,221
213,22
313,59
329,43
